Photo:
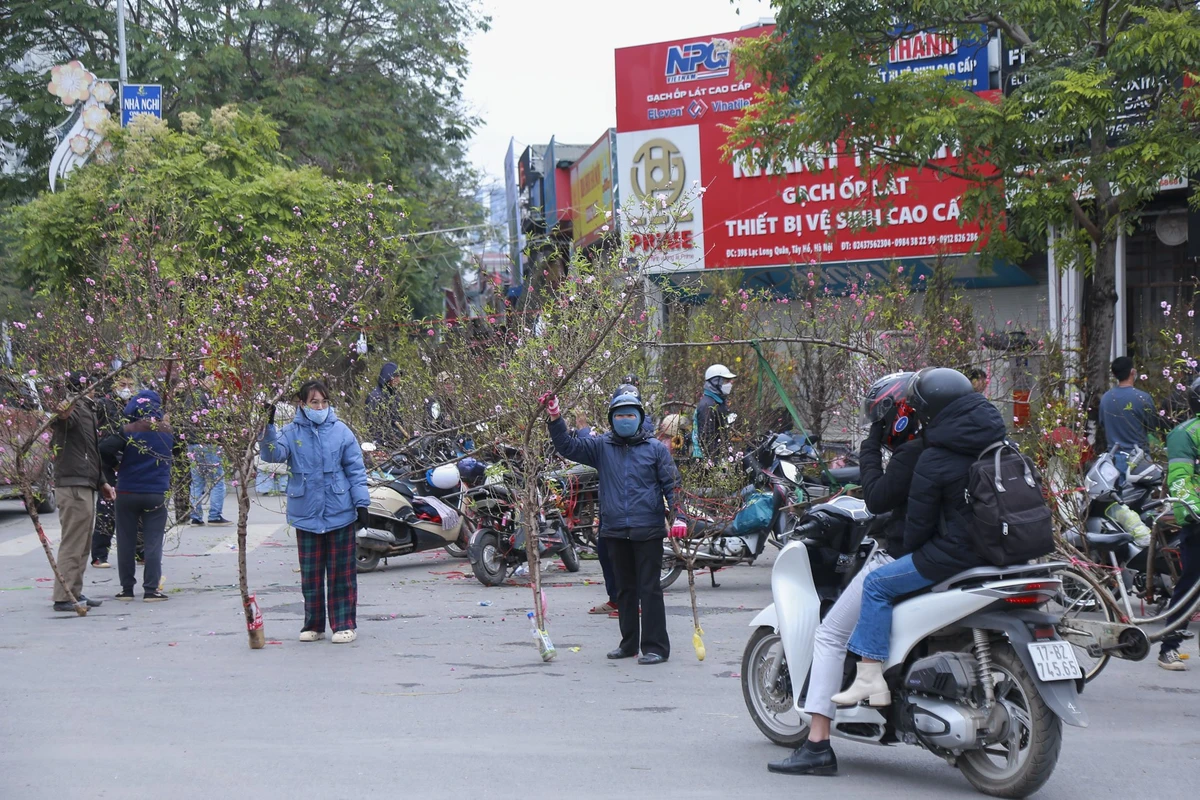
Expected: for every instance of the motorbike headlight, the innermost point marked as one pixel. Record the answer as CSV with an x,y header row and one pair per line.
x,y
789,470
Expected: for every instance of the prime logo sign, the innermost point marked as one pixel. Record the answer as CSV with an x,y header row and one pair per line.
x,y
698,61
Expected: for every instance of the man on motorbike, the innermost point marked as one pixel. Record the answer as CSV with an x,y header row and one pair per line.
x,y
636,476
894,426
1183,453
959,425
709,425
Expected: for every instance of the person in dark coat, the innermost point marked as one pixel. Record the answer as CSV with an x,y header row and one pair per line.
x,y
894,427
78,479
960,424
149,449
709,426
638,483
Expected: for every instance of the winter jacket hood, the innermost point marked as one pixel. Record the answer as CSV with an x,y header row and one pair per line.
x,y
148,447
386,373
327,481
638,479
938,527
969,425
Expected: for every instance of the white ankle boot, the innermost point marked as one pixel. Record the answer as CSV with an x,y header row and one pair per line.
x,y
868,685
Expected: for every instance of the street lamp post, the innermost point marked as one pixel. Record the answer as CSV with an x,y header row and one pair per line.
x,y
124,74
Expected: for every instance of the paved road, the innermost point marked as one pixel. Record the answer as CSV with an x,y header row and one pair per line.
x,y
443,697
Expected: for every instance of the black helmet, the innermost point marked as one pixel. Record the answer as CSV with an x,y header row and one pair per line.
x,y
885,395
627,388
1194,395
934,388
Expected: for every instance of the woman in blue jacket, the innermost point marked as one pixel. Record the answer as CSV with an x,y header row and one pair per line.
x,y
327,495
146,450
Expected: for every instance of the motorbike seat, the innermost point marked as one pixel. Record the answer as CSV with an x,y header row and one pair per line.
x,y
984,574
403,487
846,475
1109,539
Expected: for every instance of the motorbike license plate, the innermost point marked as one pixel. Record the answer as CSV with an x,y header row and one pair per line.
x,y
1054,661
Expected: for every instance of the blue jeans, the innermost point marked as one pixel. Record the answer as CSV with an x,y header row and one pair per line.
x,y
873,633
207,471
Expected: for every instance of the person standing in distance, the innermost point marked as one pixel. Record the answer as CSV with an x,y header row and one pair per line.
x,y
1127,414
327,501
709,426
638,484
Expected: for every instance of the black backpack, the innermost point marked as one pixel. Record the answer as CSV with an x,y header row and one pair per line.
x,y
1012,521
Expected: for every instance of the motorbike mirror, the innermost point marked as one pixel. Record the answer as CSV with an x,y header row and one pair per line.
x,y
368,447
732,418
435,410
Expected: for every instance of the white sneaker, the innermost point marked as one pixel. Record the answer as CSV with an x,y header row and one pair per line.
x,y
311,636
345,637
869,685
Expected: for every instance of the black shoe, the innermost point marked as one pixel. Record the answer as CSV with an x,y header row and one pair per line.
x,y
64,605
197,521
652,658
619,653
124,594
90,602
805,761
154,597
220,521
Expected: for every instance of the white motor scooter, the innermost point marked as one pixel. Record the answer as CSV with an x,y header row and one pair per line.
x,y
978,672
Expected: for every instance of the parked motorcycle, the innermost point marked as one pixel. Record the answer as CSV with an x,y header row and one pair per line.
x,y
497,544
395,528
716,544
1120,502
792,459
978,672
575,492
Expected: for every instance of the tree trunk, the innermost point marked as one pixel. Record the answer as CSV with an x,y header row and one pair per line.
x,y
1099,319
254,623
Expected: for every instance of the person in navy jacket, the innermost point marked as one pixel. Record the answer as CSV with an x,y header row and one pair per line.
x,y
326,497
638,485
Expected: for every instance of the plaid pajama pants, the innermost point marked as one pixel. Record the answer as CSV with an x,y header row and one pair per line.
x,y
328,558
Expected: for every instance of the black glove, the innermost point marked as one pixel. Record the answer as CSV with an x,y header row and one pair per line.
x,y
878,431
270,409
364,517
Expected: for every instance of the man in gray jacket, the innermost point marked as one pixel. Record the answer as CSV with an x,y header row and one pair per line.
x,y
77,478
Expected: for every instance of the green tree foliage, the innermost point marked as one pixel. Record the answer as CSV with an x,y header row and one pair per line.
x,y
1101,115
207,199
370,89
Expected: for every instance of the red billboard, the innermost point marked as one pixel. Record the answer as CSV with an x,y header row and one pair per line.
x,y
673,98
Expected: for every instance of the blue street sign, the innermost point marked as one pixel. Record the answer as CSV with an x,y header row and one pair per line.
x,y
140,98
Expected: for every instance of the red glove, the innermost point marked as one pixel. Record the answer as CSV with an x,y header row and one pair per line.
x,y
678,529
550,401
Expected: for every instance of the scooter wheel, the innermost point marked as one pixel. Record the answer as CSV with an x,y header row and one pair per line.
x,y
367,560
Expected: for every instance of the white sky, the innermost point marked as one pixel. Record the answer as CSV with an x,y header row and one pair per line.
x,y
546,66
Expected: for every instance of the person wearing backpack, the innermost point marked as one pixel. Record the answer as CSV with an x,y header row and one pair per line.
x,y
894,428
1183,482
960,424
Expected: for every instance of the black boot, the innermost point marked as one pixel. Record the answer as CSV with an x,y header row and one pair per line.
x,y
808,759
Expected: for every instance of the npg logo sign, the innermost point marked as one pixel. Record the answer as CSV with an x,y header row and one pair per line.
x,y
698,61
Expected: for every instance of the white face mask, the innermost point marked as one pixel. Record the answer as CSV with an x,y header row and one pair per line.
x,y
124,393
726,388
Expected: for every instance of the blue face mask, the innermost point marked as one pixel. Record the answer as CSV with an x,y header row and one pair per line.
x,y
625,427
316,415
